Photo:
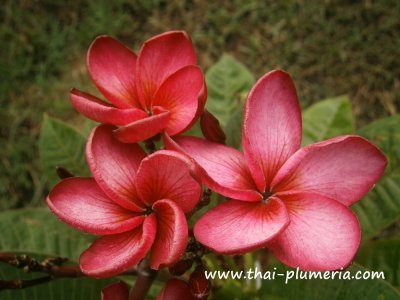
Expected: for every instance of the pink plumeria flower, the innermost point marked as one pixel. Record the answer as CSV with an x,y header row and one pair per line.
x,y
293,201
160,89
138,203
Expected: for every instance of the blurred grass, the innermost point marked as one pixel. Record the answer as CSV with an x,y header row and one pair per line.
x,y
330,48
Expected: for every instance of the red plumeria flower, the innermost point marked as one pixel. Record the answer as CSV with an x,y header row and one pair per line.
x,y
294,201
138,203
160,89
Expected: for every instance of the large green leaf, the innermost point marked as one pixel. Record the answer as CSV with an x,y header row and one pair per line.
x,y
326,119
313,289
60,289
38,231
61,145
335,289
381,206
233,129
382,255
226,80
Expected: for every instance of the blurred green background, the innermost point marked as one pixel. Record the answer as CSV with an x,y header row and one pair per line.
x,y
329,47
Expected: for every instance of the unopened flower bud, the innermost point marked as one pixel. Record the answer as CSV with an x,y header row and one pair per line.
x,y
211,128
180,267
199,285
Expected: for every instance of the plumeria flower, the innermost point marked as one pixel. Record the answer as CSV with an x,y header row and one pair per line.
x,y
293,200
136,202
160,89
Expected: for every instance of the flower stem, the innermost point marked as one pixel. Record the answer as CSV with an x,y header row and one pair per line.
x,y
143,283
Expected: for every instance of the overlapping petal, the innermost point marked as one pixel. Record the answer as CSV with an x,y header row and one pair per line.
x,y
271,126
160,57
323,234
236,227
113,254
81,203
343,168
115,291
99,111
172,234
112,67
164,175
176,289
113,165
179,95
143,129
225,170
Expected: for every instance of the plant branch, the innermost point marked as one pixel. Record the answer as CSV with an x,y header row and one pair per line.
x,y
144,280
51,266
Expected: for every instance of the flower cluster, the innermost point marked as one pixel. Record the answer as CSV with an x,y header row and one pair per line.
x,y
294,201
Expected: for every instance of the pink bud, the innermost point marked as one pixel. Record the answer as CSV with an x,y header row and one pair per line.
x,y
199,284
180,267
211,128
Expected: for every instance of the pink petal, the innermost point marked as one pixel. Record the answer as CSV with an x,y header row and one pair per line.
x,y
80,203
175,289
115,291
225,170
343,168
179,94
112,67
143,129
113,254
236,227
165,175
271,126
172,234
323,234
99,111
114,166
160,57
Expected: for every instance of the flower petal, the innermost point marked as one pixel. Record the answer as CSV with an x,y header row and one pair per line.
x,y
179,94
143,129
236,227
112,67
160,57
114,254
99,111
343,168
164,175
323,234
271,126
114,166
81,203
115,291
175,289
172,234
225,170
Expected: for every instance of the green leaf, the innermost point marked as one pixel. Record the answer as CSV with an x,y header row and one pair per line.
x,y
233,129
382,255
333,289
381,206
226,80
60,289
61,145
38,231
326,119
